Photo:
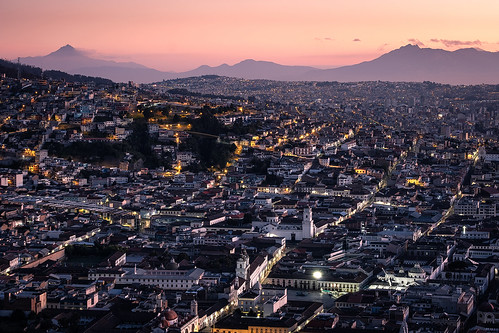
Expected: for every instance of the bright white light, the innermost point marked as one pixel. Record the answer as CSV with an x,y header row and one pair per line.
x,y
317,275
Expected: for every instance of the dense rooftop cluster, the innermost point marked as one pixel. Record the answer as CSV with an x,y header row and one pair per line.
x,y
248,206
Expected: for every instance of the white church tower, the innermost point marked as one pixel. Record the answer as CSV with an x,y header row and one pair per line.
x,y
194,308
308,224
242,266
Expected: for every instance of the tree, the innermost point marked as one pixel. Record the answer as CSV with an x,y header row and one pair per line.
x,y
208,123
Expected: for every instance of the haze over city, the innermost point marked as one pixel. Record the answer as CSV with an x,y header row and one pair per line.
x,y
182,35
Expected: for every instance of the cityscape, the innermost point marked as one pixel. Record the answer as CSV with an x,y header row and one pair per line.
x,y
253,198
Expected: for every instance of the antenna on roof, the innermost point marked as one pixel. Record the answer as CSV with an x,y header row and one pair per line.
x,y
18,68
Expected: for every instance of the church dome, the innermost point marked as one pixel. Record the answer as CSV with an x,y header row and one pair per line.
x,y
170,315
169,318
416,269
172,265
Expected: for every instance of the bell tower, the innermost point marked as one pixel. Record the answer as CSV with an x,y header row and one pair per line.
x,y
308,224
242,265
194,308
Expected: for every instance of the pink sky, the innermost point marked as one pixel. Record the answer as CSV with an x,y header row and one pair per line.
x,y
183,34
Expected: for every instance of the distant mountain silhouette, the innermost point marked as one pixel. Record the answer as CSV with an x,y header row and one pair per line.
x,y
412,63
409,63
66,51
74,61
251,69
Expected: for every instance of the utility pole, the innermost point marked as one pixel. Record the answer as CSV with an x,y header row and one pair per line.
x,y
18,68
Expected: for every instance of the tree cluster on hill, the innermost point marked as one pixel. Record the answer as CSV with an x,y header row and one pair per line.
x,y
88,151
11,69
239,128
155,111
203,143
208,123
58,75
210,151
138,144
185,92
220,109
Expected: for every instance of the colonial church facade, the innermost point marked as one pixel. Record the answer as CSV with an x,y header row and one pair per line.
x,y
293,229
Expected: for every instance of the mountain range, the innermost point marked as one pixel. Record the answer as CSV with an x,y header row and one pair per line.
x,y
74,61
409,63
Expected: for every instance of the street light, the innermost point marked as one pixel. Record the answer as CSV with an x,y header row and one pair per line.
x,y
317,275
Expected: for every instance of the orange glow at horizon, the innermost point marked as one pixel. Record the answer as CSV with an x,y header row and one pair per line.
x,y
181,35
